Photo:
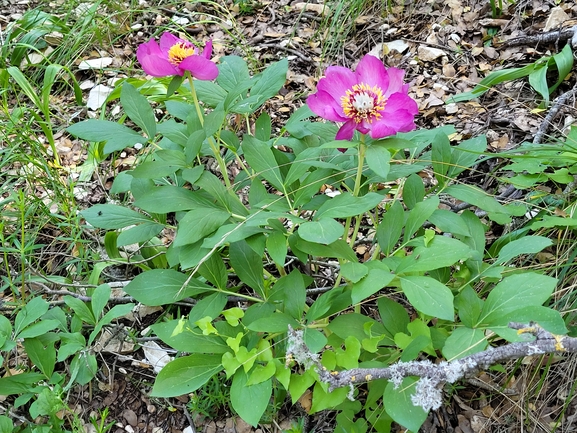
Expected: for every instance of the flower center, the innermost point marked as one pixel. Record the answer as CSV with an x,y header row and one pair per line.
x,y
180,51
363,103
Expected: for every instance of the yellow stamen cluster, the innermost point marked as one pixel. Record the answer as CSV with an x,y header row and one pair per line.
x,y
180,51
363,103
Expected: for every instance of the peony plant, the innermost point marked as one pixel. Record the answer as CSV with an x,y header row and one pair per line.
x,y
338,268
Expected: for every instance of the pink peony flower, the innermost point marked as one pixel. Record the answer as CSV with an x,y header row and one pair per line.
x,y
174,56
372,99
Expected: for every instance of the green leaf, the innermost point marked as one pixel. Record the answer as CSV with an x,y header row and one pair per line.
x,y
81,309
339,249
525,245
262,160
515,292
198,224
441,158
276,246
429,296
262,127
354,271
214,270
550,221
327,400
232,72
418,215
185,375
83,368
19,383
42,355
247,265
393,315
391,226
413,191
39,328
478,197
260,373
140,233
449,222
138,109
180,336
398,404
276,322
110,216
249,401
99,299
323,231
546,317
210,93
378,159
6,424
32,311
290,292
164,286
269,82
353,325
165,199
377,278
346,205
116,136
442,251
464,342
469,306
465,154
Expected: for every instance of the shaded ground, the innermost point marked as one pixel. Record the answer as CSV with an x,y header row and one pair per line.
x,y
445,46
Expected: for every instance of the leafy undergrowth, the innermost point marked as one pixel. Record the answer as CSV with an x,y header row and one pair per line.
x,y
186,227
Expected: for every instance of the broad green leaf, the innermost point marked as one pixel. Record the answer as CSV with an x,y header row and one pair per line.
x,y
398,404
322,231
378,159
199,223
110,216
442,251
429,296
441,158
327,400
538,80
232,72
180,336
39,328
302,164
116,136
515,292
550,221
524,245
290,292
164,286
260,373
546,317
418,215
463,342
262,127
469,306
247,265
276,322
299,383
339,249
354,271
114,313
449,222
156,169
391,227
276,246
6,424
354,325
270,81
165,199
346,205
333,300
393,315
81,309
42,355
185,375
99,299
377,278
83,368
210,93
138,109
19,383
140,233
32,311
478,197
261,158
465,154
413,191
249,401
214,270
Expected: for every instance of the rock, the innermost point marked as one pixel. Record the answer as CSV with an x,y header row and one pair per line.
x,y
428,54
556,18
130,417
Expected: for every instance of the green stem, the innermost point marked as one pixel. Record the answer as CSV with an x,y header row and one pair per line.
x,y
213,145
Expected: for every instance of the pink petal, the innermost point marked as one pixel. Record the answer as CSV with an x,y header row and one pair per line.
x,y
325,106
371,71
395,82
346,131
382,129
199,67
153,61
207,52
337,81
167,40
400,101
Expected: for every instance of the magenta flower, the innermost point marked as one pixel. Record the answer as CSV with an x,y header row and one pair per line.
x,y
174,56
372,99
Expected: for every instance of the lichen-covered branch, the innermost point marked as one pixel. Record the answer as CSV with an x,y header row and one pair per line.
x,y
434,376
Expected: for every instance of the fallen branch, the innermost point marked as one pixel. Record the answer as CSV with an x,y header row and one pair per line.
x,y
433,376
556,36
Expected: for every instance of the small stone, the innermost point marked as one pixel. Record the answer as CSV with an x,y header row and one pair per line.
x,y
556,18
130,417
451,108
428,54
